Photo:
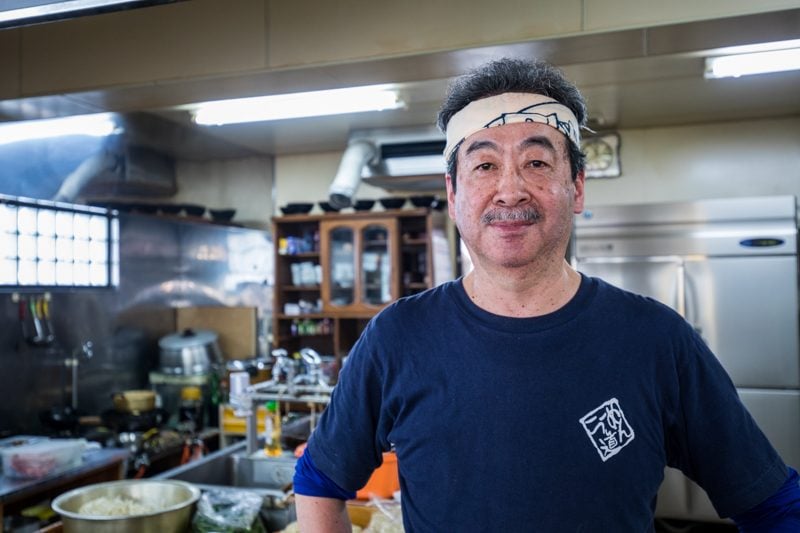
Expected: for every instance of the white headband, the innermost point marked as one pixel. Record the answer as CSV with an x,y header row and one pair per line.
x,y
508,108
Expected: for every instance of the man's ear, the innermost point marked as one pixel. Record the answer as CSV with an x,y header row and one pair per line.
x,y
451,196
579,184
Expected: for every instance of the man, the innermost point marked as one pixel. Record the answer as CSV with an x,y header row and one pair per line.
x,y
525,396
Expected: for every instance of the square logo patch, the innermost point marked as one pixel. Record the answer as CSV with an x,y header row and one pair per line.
x,y
608,429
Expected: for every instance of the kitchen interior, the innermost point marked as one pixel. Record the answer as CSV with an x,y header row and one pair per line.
x,y
177,298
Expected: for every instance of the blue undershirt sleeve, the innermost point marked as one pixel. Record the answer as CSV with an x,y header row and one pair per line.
x,y
780,513
310,481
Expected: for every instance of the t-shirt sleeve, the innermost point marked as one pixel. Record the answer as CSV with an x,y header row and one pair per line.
x,y
347,443
714,440
780,513
309,481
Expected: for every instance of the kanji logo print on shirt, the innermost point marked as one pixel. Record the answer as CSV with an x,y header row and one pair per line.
x,y
608,429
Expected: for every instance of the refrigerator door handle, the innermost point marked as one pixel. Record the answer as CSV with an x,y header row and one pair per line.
x,y
683,306
680,274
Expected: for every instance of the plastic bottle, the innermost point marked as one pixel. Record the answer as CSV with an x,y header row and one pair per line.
x,y
190,413
215,397
272,430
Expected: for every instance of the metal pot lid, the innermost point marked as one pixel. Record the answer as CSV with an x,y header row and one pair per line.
x,y
188,338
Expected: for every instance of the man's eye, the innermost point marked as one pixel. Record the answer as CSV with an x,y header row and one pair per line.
x,y
485,166
536,163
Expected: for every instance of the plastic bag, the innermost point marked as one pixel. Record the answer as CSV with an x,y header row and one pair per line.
x,y
228,511
387,519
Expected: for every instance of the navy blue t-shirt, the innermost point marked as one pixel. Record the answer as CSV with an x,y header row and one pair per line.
x,y
562,422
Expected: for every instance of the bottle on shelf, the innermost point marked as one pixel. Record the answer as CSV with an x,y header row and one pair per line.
x,y
215,397
272,430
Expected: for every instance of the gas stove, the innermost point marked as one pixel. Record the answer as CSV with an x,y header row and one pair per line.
x,y
153,447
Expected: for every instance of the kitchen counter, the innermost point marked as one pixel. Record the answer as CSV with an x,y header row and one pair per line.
x,y
106,464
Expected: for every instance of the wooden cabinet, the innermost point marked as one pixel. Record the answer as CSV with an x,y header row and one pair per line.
x,y
360,265
334,272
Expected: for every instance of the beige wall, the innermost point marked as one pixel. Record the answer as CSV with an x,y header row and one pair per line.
x,y
307,177
727,159
244,184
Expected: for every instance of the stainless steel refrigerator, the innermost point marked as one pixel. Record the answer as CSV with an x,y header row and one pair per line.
x,y
730,267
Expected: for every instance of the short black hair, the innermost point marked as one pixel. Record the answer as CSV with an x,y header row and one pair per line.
x,y
518,76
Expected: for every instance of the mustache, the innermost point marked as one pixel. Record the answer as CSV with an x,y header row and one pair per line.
x,y
511,214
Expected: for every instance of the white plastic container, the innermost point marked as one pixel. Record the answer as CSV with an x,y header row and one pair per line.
x,y
41,459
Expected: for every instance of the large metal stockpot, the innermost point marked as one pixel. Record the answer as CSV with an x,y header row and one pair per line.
x,y
191,352
176,501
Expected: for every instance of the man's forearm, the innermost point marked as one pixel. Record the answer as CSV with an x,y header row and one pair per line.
x,y
322,515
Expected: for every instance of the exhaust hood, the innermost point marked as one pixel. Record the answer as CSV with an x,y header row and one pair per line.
x,y
407,159
404,152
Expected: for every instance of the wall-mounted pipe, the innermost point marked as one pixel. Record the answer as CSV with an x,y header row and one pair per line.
x,y
344,186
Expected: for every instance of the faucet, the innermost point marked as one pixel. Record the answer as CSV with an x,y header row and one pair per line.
x,y
283,365
284,386
313,375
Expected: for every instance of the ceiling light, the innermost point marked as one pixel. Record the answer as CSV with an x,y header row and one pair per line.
x,y
22,12
754,63
296,105
98,125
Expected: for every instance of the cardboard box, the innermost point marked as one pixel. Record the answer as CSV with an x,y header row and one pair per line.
x,y
237,327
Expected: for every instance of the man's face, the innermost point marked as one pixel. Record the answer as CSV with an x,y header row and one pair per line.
x,y
515,196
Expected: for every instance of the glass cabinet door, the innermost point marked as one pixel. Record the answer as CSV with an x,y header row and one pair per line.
x,y
358,270
342,266
376,269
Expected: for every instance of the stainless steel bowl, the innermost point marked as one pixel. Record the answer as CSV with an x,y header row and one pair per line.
x,y
176,499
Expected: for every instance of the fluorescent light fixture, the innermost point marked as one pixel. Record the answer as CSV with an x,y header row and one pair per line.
x,y
297,105
21,12
99,125
753,63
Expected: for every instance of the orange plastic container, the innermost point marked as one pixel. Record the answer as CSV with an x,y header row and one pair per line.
x,y
384,481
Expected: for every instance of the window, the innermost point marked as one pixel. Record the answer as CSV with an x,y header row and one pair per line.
x,y
48,245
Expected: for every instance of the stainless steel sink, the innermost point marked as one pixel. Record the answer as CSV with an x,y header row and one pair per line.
x,y
232,468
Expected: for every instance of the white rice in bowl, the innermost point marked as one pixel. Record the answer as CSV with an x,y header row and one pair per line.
x,y
116,506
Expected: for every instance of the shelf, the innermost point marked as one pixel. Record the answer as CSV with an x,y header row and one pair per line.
x,y
298,337
282,316
415,285
299,288
415,242
301,255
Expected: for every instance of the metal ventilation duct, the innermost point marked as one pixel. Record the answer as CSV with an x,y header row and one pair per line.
x,y
407,158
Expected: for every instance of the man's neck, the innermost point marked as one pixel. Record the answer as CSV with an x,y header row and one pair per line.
x,y
520,292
